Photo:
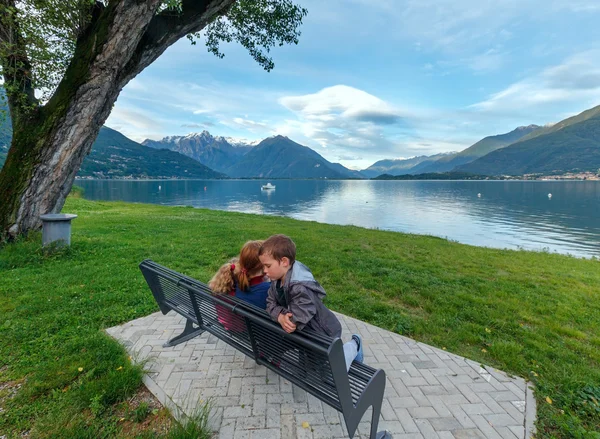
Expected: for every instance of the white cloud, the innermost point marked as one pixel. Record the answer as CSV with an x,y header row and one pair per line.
x,y
576,80
342,119
344,102
248,124
452,25
132,118
357,128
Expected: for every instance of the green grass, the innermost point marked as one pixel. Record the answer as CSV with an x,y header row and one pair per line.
x,y
535,315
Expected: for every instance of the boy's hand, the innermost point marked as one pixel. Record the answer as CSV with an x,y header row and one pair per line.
x,y
285,320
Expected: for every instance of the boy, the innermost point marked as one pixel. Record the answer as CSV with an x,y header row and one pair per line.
x,y
295,298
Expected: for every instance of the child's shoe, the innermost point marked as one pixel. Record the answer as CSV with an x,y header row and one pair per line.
x,y
359,355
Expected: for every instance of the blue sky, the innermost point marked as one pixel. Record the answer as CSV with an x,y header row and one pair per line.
x,y
386,79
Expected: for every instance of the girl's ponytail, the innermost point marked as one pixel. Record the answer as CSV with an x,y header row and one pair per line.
x,y
243,282
249,263
223,282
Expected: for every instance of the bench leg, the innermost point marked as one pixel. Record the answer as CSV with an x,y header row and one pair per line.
x,y
188,333
375,423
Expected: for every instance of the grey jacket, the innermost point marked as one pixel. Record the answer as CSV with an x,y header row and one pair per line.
x,y
304,296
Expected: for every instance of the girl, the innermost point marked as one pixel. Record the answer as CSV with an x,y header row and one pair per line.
x,y
241,277
251,285
223,283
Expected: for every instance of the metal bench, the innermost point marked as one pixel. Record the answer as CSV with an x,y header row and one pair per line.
x,y
309,360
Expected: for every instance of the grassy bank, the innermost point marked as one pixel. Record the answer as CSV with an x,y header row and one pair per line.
x,y
534,315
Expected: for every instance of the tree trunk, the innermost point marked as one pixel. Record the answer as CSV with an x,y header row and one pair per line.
x,y
50,143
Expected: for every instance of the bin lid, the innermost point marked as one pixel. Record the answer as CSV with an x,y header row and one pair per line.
x,y
58,217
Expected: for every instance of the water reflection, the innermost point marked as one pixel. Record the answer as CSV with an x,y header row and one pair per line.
x,y
508,214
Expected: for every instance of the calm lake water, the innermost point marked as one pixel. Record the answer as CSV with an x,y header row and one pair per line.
x,y
508,214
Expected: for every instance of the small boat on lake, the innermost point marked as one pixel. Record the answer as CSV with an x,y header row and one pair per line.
x,y
267,186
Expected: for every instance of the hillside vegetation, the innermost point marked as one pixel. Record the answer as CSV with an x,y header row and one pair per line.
x,y
575,147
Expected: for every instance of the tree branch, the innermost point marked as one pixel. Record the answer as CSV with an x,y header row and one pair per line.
x,y
16,67
166,28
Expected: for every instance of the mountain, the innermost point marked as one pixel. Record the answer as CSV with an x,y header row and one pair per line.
x,y
418,169
114,155
216,152
552,128
576,146
347,173
280,157
479,149
395,166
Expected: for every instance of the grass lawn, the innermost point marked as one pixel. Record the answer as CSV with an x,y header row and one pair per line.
x,y
535,315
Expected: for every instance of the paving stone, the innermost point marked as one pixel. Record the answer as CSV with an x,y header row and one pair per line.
x,y
430,393
273,416
439,406
476,409
506,433
259,404
237,411
445,424
250,423
502,420
288,426
518,430
426,429
486,428
327,431
423,412
459,414
403,402
468,434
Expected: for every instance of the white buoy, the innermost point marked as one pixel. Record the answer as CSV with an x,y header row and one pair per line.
x,y
549,195
159,187
478,195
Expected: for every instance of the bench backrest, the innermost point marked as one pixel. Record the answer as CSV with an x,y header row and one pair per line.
x,y
311,361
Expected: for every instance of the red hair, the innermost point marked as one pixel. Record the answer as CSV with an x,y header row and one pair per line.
x,y
249,263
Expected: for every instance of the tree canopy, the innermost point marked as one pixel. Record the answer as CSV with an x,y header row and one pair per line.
x,y
64,63
38,37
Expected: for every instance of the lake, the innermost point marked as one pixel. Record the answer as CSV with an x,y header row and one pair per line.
x,y
501,214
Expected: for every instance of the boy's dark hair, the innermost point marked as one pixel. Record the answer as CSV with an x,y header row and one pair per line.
x,y
279,247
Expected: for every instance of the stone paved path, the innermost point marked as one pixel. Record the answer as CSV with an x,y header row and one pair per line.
x,y
430,393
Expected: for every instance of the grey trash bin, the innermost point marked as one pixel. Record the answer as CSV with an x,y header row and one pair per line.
x,y
56,227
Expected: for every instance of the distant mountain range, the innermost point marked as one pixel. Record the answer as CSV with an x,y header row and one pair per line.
x,y
400,166
572,146
115,156
446,162
280,157
569,145
274,157
216,152
479,149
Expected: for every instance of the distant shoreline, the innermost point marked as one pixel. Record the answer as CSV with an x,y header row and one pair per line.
x,y
380,178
